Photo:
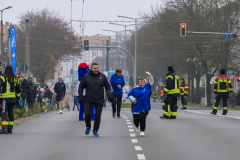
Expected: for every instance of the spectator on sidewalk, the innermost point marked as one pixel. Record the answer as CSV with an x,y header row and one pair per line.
x,y
31,94
75,102
67,102
25,90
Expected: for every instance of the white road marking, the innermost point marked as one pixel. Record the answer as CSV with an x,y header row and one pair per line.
x,y
134,140
130,126
127,120
129,123
138,148
131,130
132,135
141,156
234,117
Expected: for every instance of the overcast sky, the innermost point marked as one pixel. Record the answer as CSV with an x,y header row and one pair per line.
x,y
93,10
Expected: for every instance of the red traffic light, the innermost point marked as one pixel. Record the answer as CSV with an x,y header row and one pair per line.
x,y
183,26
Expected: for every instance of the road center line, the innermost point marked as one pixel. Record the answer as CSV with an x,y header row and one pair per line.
x,y
141,156
138,148
134,140
130,126
129,123
131,130
132,135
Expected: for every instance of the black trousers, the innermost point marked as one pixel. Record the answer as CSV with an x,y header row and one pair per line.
x,y
7,115
218,98
183,101
171,106
116,99
140,118
88,106
30,104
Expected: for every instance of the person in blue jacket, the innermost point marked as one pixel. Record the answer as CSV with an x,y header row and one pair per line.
x,y
140,98
117,83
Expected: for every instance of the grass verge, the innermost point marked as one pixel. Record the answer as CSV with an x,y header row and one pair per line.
x,y
126,105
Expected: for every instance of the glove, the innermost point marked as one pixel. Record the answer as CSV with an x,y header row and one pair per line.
x,y
81,100
110,99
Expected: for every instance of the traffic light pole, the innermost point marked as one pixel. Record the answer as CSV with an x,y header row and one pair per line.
x,y
192,32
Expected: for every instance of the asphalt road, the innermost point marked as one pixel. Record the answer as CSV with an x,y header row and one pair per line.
x,y
194,135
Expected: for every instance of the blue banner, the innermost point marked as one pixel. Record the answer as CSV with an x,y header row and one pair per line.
x,y
13,48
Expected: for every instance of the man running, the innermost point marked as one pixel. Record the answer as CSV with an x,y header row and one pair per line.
x,y
60,91
94,81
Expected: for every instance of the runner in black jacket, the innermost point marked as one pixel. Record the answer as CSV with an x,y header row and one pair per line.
x,y
60,91
94,81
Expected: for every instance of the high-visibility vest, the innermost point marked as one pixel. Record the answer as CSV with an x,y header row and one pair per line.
x,y
222,83
172,79
10,91
184,89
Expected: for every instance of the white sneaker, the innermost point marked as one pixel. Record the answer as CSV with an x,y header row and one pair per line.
x,y
141,133
138,130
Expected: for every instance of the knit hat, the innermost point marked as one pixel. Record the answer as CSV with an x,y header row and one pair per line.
x,y
83,65
23,75
222,71
170,68
183,79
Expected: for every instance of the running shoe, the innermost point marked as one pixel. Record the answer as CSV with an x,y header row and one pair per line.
x,y
141,133
87,131
95,133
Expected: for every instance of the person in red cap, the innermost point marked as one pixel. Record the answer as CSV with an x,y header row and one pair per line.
x,y
184,94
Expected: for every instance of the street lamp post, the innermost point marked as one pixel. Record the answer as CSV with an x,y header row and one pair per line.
x,y
125,45
136,19
2,49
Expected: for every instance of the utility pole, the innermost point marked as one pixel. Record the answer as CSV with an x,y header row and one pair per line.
x,y
27,55
107,62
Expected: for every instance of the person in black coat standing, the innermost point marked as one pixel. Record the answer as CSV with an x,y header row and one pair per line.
x,y
31,94
94,81
25,89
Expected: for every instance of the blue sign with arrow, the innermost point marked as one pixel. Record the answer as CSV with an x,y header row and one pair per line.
x,y
226,35
13,48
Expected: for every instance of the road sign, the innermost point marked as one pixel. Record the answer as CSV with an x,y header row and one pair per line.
x,y
226,35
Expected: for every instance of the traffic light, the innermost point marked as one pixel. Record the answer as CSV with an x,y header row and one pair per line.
x,y
86,45
9,32
183,30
